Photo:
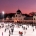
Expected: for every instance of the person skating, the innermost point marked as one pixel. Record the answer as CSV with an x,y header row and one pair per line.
x,y
2,33
9,32
5,30
12,31
26,28
20,33
22,26
33,29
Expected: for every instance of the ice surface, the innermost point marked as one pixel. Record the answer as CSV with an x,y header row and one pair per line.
x,y
29,31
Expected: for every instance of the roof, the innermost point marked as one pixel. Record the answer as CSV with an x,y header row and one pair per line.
x,y
10,15
18,11
23,14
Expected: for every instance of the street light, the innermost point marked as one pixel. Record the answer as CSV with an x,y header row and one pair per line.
x,y
3,15
3,12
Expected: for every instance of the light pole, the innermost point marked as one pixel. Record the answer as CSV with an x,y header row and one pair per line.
x,y
3,15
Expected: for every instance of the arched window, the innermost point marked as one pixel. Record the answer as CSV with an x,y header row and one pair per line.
x,y
16,15
34,18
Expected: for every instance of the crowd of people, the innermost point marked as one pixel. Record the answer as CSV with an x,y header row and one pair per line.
x,y
11,26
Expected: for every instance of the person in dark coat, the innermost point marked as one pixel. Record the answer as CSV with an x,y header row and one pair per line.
x,y
12,31
33,29
9,32
2,33
26,28
22,26
5,30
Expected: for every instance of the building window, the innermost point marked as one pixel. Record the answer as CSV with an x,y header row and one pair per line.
x,y
34,18
16,15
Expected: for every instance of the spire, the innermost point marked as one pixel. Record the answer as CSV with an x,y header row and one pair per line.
x,y
18,8
18,11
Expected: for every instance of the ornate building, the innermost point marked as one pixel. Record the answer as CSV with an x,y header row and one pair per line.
x,y
18,16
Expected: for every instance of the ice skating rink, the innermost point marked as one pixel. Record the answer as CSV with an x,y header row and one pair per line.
x,y
29,31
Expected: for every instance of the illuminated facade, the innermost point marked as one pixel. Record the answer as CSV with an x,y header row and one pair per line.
x,y
18,16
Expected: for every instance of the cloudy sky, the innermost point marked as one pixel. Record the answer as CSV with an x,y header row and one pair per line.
x,y
11,6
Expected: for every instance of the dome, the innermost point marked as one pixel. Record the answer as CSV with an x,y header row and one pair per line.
x,y
18,11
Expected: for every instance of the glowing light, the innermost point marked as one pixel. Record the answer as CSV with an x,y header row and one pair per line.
x,y
15,20
2,12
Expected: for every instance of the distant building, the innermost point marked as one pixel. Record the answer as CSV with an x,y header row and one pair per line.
x,y
34,18
17,17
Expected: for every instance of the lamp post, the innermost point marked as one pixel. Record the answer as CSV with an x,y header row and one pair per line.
x,y
3,15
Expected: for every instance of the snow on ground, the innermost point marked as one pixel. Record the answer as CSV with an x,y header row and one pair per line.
x,y
29,31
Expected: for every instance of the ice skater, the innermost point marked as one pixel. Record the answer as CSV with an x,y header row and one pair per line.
x,y
2,33
12,30
33,29
5,30
26,28
22,26
9,32
20,33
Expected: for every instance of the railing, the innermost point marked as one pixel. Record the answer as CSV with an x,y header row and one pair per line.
x,y
34,21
